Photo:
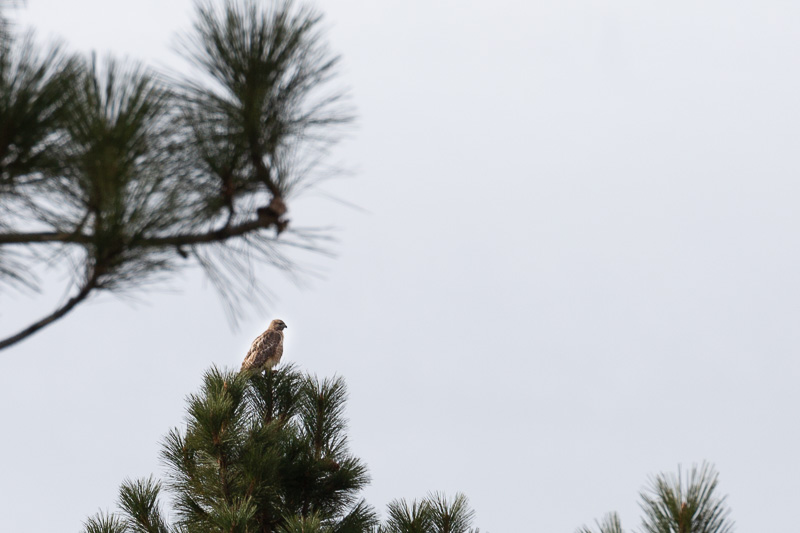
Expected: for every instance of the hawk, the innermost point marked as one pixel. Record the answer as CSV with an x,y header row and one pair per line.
x,y
266,350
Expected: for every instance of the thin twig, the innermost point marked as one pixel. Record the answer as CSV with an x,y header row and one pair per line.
x,y
90,284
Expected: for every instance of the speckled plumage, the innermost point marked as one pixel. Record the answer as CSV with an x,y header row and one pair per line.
x,y
267,349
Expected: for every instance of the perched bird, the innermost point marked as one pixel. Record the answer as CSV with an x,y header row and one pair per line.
x,y
266,350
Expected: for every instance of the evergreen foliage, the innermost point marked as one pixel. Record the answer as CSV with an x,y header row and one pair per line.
x,y
610,524
130,175
267,453
678,504
433,514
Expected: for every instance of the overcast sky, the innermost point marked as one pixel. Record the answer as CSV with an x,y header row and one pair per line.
x,y
576,264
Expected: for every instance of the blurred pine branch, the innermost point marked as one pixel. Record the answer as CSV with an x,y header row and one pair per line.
x,y
132,176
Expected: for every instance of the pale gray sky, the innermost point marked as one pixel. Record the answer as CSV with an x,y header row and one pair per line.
x,y
579,267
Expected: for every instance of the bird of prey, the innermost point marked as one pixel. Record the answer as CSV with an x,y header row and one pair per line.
x,y
266,350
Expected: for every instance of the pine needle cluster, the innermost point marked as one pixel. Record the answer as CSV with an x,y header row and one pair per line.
x,y
678,504
433,514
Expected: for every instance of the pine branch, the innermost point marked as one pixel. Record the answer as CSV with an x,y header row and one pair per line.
x,y
115,159
264,220
177,241
70,304
44,237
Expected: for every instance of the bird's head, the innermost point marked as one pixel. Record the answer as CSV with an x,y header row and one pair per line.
x,y
278,324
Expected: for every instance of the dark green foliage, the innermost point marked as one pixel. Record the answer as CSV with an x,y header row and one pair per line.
x,y
105,523
360,519
34,88
404,517
263,453
117,179
450,517
260,452
610,524
139,501
131,175
678,504
685,505
300,524
434,514
268,67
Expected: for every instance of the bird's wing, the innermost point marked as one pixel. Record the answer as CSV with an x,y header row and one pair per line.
x,y
262,349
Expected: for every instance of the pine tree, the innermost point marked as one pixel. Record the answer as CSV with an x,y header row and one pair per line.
x,y
678,504
259,453
267,453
